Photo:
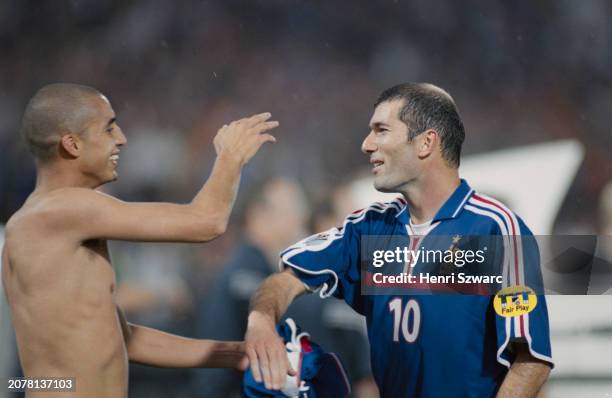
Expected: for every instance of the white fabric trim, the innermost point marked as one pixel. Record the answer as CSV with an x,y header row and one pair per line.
x,y
463,202
508,277
516,238
501,349
519,244
334,234
533,352
421,237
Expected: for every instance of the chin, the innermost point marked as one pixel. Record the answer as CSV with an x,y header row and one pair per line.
x,y
110,178
387,186
382,187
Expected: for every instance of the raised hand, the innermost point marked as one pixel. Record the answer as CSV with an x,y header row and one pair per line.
x,y
243,138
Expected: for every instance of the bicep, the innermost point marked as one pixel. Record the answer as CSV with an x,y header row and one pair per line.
x,y
524,358
94,215
529,368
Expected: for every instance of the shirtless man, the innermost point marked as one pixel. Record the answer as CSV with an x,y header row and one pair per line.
x,y
57,272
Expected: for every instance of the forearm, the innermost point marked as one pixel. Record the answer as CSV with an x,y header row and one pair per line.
x,y
525,377
265,349
156,348
216,198
274,296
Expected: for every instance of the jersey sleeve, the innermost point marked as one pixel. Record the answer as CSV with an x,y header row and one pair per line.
x,y
329,262
520,265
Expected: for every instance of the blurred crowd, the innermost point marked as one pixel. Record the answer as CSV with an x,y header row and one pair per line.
x,y
521,72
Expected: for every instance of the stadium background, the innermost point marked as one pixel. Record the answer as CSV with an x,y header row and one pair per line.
x,y
521,73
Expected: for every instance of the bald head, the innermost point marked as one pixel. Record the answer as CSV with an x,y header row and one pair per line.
x,y
55,110
426,106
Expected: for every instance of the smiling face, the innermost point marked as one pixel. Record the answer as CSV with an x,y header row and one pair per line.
x,y
393,157
100,142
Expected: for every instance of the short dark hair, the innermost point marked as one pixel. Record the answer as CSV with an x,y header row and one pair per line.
x,y
54,110
429,107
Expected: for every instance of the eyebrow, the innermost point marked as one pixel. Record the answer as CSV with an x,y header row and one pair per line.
x,y
378,124
111,121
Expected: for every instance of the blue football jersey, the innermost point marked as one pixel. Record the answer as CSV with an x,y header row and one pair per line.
x,y
422,343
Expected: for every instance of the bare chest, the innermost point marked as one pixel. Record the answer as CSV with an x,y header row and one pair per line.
x,y
96,260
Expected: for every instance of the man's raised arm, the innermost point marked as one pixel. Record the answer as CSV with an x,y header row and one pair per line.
x,y
90,214
264,347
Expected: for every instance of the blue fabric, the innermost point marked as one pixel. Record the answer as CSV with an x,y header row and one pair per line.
x,y
322,373
455,335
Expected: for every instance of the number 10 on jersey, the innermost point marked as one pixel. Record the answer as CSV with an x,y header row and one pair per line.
x,y
401,319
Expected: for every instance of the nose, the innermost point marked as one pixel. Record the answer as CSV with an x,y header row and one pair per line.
x,y
368,145
120,137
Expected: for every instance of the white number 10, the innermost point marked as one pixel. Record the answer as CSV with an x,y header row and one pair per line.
x,y
401,318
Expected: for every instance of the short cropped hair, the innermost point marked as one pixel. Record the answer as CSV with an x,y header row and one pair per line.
x,y
55,109
429,107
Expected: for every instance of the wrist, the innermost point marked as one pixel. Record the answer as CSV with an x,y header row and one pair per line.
x,y
259,317
230,159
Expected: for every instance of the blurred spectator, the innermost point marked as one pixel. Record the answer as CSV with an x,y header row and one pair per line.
x,y
274,216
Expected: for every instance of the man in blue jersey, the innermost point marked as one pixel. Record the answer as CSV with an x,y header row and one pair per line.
x,y
422,345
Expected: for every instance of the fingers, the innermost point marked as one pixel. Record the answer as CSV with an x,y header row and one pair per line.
x,y
256,119
279,372
269,363
243,138
252,120
267,138
243,364
255,368
264,361
261,366
260,128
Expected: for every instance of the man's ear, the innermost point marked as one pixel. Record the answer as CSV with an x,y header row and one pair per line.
x,y
70,146
428,142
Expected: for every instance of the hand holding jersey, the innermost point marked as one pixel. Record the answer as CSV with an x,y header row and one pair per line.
x,y
318,374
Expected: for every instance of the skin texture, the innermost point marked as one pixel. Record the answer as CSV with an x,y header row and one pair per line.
x,y
57,271
526,377
418,171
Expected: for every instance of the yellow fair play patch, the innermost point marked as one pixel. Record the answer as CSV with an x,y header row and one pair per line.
x,y
514,301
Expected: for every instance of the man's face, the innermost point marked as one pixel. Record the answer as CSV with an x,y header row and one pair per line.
x,y
101,142
393,158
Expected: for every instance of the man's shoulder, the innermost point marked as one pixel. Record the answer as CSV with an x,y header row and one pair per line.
x,y
61,194
41,209
490,210
65,200
378,211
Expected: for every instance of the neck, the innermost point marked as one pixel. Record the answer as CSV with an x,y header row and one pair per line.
x,y
427,194
55,176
